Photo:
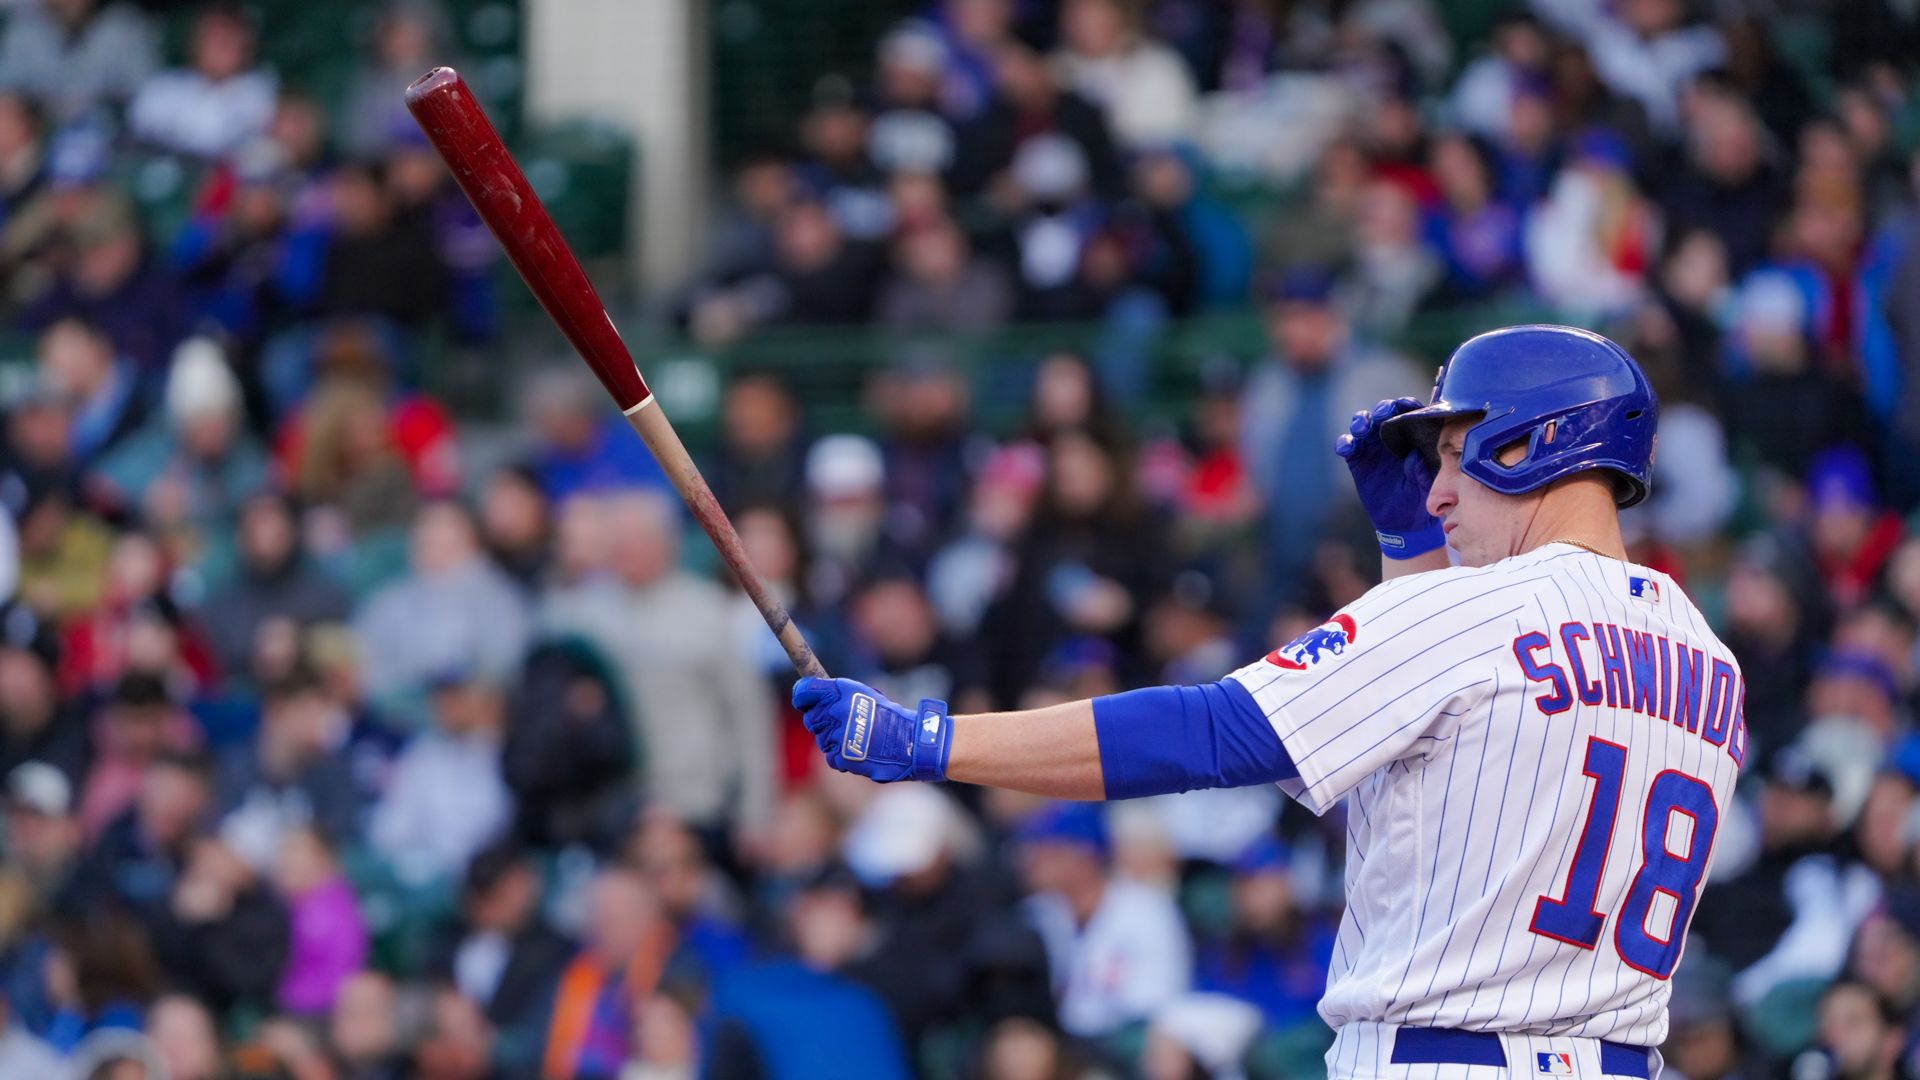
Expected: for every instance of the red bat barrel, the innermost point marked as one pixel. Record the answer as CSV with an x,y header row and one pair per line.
x,y
447,111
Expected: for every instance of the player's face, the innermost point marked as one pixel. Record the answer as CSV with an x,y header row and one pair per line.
x,y
1483,525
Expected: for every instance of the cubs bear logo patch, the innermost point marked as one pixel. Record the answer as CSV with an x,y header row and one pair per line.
x,y
1330,638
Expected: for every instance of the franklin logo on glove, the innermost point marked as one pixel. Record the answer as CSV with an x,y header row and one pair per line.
x,y
859,728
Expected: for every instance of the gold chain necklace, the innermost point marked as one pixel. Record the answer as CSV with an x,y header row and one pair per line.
x,y
1584,546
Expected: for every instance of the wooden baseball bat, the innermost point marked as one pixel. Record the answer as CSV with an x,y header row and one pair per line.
x,y
450,115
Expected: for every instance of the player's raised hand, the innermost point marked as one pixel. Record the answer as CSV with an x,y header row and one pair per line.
x,y
1392,488
862,732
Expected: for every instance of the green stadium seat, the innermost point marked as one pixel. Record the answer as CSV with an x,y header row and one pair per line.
x,y
1291,1053
1782,1023
582,170
1207,901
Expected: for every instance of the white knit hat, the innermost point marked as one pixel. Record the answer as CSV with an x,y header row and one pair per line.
x,y
200,383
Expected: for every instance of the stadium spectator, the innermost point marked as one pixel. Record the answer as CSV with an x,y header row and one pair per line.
x,y
919,857
135,861
292,777
971,30
97,975
500,952
135,628
1703,1035
328,935
138,726
223,936
112,283
1055,227
37,723
1483,93
273,580
806,1013
364,1034
408,39
1118,949
1199,1034
1275,953
939,284
577,449
218,102
762,449
452,612
1094,547
740,239
1646,50
183,1033
922,405
245,257
455,1041
1478,238
1029,101
380,257
43,840
76,55
1590,242
1859,1031
1393,274
1107,57
668,630
23,166
693,895
627,950
1728,188
516,525
78,362
1297,398
569,749
189,468
446,797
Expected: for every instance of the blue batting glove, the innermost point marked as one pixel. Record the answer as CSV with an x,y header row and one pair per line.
x,y
1393,489
862,732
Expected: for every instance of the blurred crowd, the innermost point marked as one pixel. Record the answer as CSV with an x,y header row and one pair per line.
x,y
337,743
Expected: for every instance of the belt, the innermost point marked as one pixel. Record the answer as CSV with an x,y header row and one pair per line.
x,y
1446,1046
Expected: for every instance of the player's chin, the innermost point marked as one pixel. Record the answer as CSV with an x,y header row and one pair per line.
x,y
1468,552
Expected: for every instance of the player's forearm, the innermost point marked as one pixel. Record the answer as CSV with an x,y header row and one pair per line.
x,y
1052,751
1436,559
1143,742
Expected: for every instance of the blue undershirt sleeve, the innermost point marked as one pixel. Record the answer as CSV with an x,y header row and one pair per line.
x,y
1180,738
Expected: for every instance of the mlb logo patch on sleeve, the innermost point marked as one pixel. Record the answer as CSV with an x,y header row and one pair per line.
x,y
1641,588
1555,1064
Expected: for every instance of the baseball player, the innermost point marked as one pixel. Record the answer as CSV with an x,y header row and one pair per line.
x,y
1535,747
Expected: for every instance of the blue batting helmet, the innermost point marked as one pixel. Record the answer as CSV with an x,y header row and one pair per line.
x,y
1576,400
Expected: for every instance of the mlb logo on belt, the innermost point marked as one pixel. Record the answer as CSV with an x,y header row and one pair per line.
x,y
1641,588
1555,1064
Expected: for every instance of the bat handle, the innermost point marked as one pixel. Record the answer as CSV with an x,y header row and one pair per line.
x,y
654,430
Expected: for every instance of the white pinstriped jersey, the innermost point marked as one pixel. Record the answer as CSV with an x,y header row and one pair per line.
x,y
1534,756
